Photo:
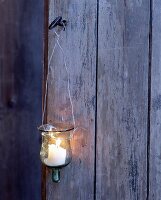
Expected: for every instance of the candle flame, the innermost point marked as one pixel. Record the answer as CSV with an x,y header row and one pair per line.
x,y
58,142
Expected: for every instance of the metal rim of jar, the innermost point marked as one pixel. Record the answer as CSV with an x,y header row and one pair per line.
x,y
55,128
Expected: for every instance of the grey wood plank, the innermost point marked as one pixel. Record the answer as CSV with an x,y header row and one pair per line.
x,y
21,32
122,100
155,118
79,44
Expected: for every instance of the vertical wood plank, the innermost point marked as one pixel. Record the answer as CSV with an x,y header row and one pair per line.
x,y
79,44
122,100
155,119
21,32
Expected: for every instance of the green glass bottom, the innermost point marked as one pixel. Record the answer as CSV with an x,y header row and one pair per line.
x,y
56,175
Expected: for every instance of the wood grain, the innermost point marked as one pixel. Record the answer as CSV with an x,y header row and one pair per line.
x,y
79,44
155,118
21,32
122,100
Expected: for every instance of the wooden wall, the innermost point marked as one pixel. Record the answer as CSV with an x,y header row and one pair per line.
x,y
21,52
155,104
122,100
79,42
112,50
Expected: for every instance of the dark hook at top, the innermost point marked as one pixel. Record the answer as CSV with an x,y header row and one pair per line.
x,y
58,21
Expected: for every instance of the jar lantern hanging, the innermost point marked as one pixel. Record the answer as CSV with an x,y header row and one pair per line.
x,y
55,150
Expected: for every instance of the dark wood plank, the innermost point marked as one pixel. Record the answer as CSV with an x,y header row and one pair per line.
x,y
122,105
79,44
155,119
21,32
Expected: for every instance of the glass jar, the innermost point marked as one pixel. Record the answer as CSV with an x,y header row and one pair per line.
x,y
56,148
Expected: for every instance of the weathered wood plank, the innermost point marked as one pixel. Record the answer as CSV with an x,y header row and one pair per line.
x,y
155,119
21,31
122,104
79,44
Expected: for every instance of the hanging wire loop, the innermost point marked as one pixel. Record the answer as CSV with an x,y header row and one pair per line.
x,y
57,44
58,21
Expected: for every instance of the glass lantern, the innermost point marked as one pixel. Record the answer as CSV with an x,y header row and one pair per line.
x,y
56,149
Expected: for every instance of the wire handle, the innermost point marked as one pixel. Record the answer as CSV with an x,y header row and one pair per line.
x,y
58,22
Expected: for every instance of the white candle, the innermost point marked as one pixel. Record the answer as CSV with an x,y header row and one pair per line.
x,y
56,155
